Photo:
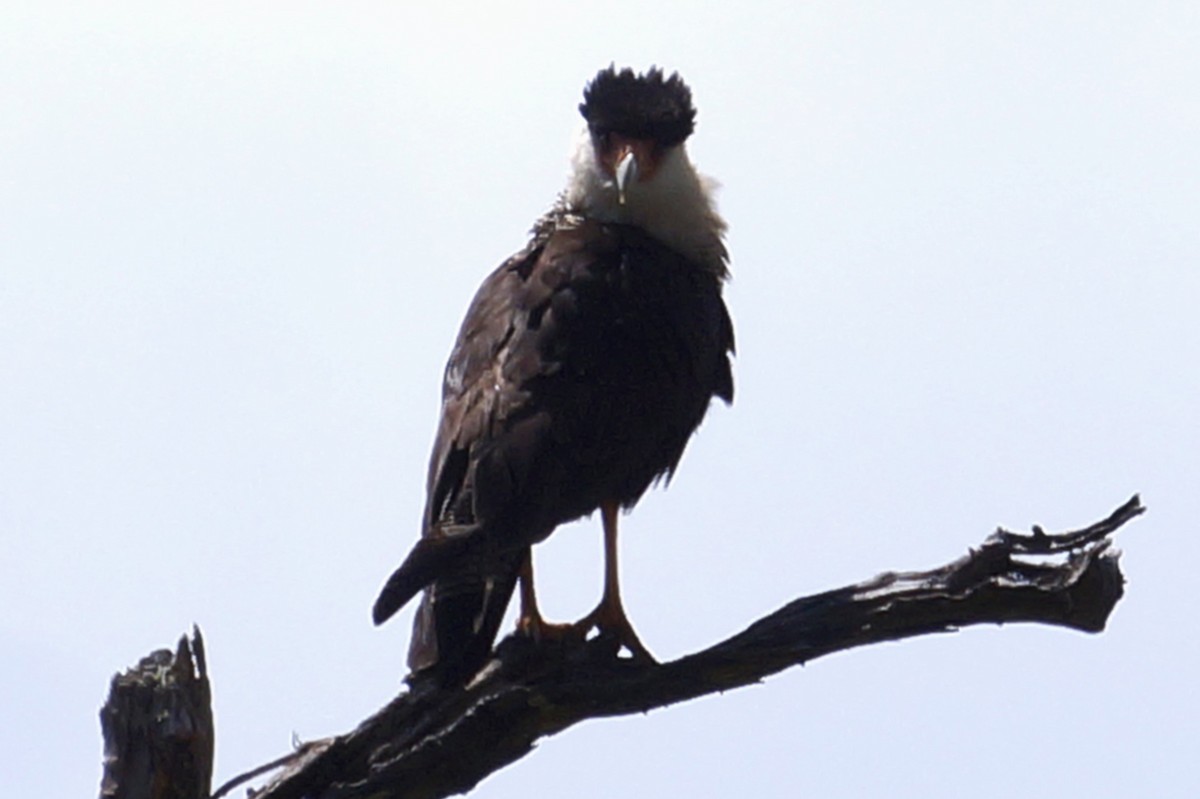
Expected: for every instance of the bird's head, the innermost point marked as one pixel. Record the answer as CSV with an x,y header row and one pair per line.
x,y
634,122
631,165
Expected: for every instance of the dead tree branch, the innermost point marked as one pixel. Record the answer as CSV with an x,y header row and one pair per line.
x,y
158,727
432,743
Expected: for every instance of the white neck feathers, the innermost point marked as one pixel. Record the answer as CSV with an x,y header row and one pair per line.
x,y
674,206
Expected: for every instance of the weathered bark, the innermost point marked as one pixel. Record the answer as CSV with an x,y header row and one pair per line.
x,y
431,743
158,727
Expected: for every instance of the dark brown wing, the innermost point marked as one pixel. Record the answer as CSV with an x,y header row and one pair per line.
x,y
581,370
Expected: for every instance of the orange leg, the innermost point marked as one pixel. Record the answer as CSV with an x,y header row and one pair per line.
x,y
609,616
531,622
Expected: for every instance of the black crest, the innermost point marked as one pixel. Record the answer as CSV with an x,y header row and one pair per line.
x,y
641,106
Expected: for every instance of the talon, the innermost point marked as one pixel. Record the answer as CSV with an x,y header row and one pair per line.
x,y
610,622
541,631
530,623
609,619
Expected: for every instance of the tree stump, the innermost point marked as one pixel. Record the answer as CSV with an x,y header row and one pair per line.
x,y
158,727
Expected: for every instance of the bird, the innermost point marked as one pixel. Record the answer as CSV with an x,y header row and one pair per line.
x,y
582,368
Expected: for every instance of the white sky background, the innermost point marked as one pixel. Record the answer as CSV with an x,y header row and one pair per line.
x,y
236,243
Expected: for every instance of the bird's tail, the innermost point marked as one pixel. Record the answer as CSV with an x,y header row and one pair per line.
x,y
429,559
459,618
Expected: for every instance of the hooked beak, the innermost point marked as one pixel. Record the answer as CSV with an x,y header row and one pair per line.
x,y
626,173
628,161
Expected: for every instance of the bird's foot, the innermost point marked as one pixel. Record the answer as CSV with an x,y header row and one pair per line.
x,y
607,624
541,631
611,624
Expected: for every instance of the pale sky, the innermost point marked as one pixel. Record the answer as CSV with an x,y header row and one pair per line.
x,y
236,241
